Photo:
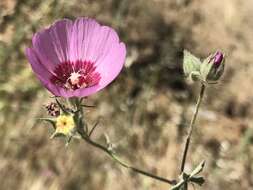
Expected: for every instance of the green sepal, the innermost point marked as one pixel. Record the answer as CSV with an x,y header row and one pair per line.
x,y
198,180
81,125
52,121
73,134
198,169
63,109
68,139
194,76
185,178
216,73
56,134
205,68
191,64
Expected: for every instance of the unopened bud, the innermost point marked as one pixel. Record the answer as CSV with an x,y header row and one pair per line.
x,y
53,109
212,67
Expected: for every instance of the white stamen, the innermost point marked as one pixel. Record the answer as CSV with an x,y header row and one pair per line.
x,y
74,78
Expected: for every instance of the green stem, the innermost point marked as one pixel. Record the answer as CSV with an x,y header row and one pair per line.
x,y
110,153
125,165
194,117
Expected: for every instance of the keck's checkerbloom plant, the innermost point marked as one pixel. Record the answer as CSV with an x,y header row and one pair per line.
x,y
76,58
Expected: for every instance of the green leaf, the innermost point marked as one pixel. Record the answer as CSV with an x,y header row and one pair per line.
x,y
181,184
185,178
198,169
198,180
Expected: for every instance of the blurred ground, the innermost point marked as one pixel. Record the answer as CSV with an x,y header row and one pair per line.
x,y
146,110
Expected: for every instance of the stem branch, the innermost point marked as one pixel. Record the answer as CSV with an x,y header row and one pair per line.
x,y
194,117
125,165
86,136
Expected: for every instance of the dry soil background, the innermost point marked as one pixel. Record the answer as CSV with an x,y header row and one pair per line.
x,y
146,110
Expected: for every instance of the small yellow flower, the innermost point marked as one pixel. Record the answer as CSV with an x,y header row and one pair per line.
x,y
64,125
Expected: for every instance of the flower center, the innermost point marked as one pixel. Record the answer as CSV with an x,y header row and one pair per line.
x,y
75,75
64,124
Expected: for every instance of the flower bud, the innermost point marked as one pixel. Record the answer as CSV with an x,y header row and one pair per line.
x,y
212,67
53,109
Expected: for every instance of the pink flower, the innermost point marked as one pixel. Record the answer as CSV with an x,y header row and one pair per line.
x,y
76,58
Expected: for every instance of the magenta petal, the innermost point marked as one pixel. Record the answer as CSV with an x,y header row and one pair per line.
x,y
41,72
38,68
52,44
91,41
112,64
86,91
109,68
61,33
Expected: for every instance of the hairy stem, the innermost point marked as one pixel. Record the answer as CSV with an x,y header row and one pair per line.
x,y
194,117
85,136
119,161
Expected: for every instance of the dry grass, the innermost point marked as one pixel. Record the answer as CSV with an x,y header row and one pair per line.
x,y
146,110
